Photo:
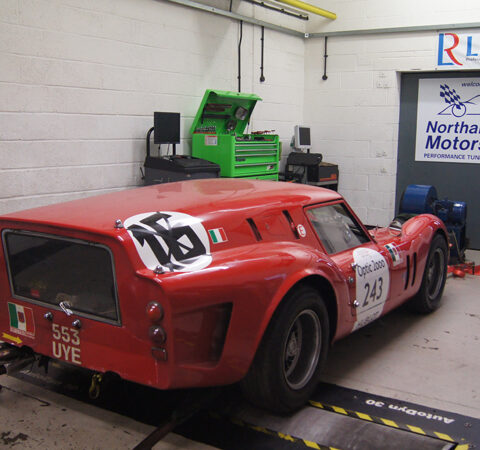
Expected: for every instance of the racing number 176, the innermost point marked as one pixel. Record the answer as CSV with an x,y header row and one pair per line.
x,y
373,292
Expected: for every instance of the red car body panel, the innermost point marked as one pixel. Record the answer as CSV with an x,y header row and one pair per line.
x,y
216,314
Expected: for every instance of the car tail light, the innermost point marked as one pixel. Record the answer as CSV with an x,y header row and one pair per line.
x,y
154,311
157,334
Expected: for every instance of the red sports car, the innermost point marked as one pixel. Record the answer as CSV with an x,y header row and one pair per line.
x,y
208,282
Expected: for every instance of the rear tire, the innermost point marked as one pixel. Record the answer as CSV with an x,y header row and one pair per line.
x,y
430,293
292,353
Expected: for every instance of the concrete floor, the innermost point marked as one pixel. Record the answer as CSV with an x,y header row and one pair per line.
x,y
32,417
431,360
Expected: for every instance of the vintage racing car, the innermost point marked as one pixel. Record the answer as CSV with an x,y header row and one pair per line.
x,y
207,282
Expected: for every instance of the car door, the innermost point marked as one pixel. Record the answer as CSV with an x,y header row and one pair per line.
x,y
364,264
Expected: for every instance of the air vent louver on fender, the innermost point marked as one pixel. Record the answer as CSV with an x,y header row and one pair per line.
x,y
254,228
414,271
407,275
291,223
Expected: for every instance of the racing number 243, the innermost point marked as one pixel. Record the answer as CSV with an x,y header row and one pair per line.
x,y
374,292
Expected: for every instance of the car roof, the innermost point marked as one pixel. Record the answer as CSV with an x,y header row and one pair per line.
x,y
222,196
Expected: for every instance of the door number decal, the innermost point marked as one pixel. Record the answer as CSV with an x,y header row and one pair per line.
x,y
372,285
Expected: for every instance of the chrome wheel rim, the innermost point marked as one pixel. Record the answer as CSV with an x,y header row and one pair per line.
x,y
302,349
435,273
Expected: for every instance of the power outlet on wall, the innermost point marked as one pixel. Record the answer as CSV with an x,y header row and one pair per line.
x,y
382,80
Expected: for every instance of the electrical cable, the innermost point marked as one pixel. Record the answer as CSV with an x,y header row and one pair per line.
x,y
325,56
262,78
240,57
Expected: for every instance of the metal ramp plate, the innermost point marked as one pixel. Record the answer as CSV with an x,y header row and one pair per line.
x,y
315,428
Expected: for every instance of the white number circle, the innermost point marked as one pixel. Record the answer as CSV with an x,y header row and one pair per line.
x,y
175,241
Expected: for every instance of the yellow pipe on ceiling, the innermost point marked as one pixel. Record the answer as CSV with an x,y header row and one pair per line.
x,y
310,8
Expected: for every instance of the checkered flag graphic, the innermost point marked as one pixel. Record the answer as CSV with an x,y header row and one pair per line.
x,y
450,96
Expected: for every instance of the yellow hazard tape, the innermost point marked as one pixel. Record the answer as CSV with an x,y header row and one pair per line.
x,y
311,444
364,416
388,423
415,429
444,436
286,437
339,410
316,404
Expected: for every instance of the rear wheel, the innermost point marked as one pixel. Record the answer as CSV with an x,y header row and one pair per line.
x,y
433,282
293,350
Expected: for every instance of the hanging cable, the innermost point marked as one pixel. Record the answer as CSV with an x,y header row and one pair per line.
x,y
325,56
240,57
262,78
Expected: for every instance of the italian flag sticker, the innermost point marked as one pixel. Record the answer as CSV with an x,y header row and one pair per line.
x,y
218,235
396,257
21,320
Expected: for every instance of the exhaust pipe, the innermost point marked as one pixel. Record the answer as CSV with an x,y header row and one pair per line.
x,y
17,366
14,359
9,353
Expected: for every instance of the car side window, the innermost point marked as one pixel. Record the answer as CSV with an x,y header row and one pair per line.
x,y
336,228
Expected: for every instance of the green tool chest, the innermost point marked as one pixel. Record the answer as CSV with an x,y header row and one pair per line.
x,y
217,136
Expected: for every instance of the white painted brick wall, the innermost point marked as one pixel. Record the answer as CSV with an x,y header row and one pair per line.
x,y
355,113
354,117
80,80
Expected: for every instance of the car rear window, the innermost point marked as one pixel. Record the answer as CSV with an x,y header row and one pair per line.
x,y
49,269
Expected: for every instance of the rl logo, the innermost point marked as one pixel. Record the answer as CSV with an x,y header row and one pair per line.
x,y
451,49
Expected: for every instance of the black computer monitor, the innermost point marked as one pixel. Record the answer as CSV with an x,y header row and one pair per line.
x,y
166,128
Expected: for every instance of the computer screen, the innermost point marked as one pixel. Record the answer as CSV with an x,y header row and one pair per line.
x,y
166,128
302,137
